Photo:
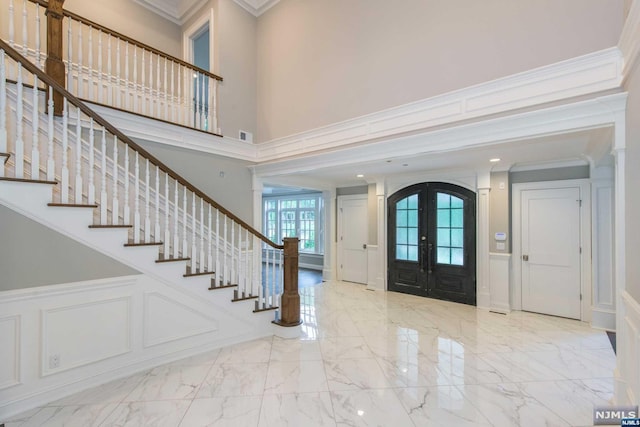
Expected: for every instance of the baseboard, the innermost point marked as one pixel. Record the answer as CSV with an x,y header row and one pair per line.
x,y
603,319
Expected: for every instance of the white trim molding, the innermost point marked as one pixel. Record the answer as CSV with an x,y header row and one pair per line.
x,y
177,12
629,43
499,277
256,7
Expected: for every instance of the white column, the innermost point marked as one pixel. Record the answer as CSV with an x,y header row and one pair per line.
x,y
381,206
329,267
257,187
483,292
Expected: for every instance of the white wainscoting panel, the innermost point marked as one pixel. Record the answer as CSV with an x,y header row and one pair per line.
x,y
628,347
167,320
9,351
373,267
85,333
604,308
499,274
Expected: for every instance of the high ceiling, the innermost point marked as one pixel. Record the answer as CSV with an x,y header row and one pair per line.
x,y
179,11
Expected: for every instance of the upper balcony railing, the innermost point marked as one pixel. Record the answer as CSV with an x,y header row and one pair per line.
x,y
105,67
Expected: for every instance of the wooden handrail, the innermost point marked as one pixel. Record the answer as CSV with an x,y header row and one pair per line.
x,y
122,137
114,33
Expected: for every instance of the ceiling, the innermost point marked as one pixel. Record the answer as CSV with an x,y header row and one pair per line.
x,y
576,148
179,11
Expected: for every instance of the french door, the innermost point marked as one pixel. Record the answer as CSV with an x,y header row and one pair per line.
x,y
432,242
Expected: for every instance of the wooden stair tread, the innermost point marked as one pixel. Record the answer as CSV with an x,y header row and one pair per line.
x,y
172,259
110,226
131,244
71,205
248,297
199,273
32,181
213,288
260,310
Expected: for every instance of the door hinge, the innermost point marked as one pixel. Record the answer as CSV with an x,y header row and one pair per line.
x,y
579,202
580,297
580,249
340,265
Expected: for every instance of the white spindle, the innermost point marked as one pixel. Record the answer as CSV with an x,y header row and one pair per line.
x,y
64,195
176,216
156,228
25,38
143,82
233,254
150,106
127,209
211,126
224,253
80,63
167,232
126,74
165,92
203,106
198,107
19,168
185,243
135,78
35,143
3,109
78,186
281,278
39,62
136,201
90,64
218,270
275,277
115,210
173,95
215,127
51,163
191,100
69,55
194,249
118,75
209,243
109,89
247,264
240,264
202,253
91,190
100,71
147,211
103,179
157,88
11,24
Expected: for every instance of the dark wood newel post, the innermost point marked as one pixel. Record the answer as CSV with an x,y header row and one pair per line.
x,y
54,66
290,301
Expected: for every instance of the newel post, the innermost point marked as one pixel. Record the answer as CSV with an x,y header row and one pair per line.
x,y
54,66
290,301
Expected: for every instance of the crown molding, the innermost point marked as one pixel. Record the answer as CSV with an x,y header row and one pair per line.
x,y
629,43
177,12
256,7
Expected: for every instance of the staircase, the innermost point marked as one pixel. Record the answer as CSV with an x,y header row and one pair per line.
x,y
77,174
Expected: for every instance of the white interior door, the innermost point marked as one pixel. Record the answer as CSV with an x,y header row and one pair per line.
x,y
352,238
550,262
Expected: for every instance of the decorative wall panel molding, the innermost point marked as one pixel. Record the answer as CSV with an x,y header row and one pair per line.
x,y
10,340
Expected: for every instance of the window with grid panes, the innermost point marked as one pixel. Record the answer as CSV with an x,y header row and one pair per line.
x,y
298,216
450,225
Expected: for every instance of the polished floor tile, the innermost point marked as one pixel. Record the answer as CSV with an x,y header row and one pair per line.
x,y
368,359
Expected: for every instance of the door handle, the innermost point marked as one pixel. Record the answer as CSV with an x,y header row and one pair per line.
x,y
525,257
429,257
364,246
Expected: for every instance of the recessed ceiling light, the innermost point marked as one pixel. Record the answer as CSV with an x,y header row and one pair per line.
x,y
359,176
494,160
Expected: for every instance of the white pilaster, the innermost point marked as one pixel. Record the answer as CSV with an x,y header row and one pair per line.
x,y
381,206
483,292
329,266
257,187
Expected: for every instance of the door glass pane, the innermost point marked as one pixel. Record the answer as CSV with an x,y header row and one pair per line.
x,y
450,226
407,228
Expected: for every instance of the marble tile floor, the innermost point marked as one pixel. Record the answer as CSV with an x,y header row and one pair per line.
x,y
368,359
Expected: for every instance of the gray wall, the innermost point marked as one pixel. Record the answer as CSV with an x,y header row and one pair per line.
x,y
34,255
499,210
342,59
632,182
232,191
373,215
555,174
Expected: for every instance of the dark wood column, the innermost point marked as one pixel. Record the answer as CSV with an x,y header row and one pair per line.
x,y
53,66
290,301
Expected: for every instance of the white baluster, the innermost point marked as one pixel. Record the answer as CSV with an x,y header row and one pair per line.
x,y
126,74
109,79
180,102
218,270
150,109
157,97
165,92
215,127
3,109
156,228
209,243
78,187
194,249
191,100
185,243
39,56
80,64
202,253
224,253
240,263
100,71
176,216
91,190
115,209
90,64
126,211
281,278
64,195
147,213
275,278
35,143
198,102
211,125
69,56
118,74
143,85
11,25
247,264
167,232
233,278
103,179
136,213
19,147
173,95
203,106
257,273
25,39
135,78
51,163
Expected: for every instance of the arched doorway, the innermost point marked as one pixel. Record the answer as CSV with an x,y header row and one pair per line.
x,y
432,242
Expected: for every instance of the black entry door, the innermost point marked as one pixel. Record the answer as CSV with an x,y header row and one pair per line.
x,y
432,242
